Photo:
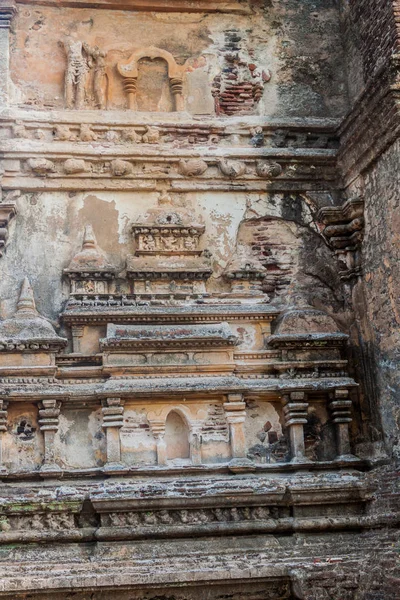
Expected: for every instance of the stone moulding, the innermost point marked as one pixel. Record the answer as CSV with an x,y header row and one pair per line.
x,y
165,336
194,6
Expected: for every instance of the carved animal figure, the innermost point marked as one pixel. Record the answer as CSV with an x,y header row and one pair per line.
x,y
41,166
19,130
120,167
232,168
130,135
62,133
86,134
268,169
192,167
152,136
74,165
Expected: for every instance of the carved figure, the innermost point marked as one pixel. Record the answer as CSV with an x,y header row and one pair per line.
x,y
152,136
192,167
76,72
4,523
232,168
148,242
169,242
190,243
97,62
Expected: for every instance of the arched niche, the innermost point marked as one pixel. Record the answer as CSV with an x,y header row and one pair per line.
x,y
129,70
177,436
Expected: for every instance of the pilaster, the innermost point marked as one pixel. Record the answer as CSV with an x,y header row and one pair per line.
x,y
340,406
113,420
235,411
49,412
295,407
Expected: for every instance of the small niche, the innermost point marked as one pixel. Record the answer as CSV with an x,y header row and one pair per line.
x,y
153,88
177,437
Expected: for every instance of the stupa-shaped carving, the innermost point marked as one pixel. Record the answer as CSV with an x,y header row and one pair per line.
x,y
168,257
89,271
27,329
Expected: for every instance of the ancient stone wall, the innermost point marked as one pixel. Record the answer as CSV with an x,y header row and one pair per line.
x,y
198,299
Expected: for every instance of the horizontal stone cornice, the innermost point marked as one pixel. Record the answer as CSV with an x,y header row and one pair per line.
x,y
194,6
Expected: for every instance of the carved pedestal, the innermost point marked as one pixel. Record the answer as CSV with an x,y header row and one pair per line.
x,y
3,428
49,412
113,420
340,406
295,410
235,411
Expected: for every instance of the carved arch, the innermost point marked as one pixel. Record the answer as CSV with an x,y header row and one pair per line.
x,y
128,69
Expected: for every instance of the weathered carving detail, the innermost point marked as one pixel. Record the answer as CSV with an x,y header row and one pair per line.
x,y
344,229
73,166
7,212
232,168
268,169
120,167
41,166
129,71
193,167
113,420
81,58
190,517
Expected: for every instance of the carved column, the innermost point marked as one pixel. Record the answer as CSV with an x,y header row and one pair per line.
x,y
7,11
113,420
3,428
235,411
340,406
77,335
7,212
176,85
158,431
49,412
295,407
